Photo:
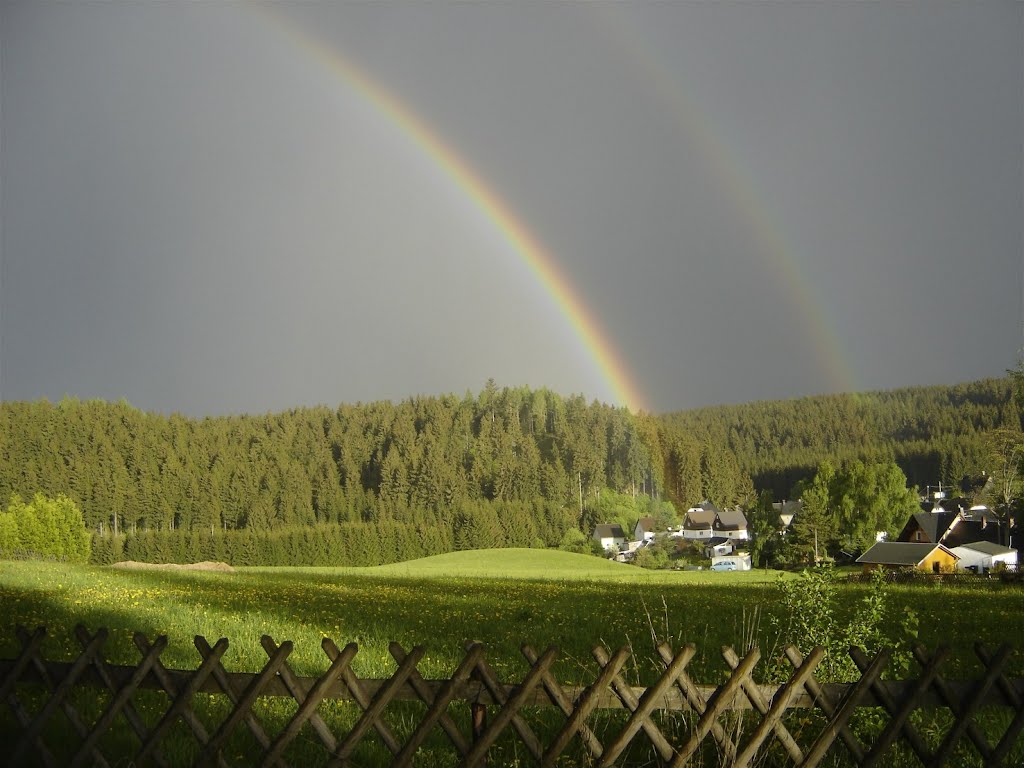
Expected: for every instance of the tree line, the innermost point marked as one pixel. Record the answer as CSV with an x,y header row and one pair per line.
x,y
504,467
935,434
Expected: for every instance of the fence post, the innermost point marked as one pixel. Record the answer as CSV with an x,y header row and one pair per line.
x,y
479,713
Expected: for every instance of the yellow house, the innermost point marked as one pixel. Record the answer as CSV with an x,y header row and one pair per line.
x,y
933,558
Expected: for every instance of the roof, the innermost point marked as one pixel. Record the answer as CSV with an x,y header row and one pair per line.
x,y
732,519
988,548
647,523
934,524
609,531
968,530
699,518
790,507
715,541
901,553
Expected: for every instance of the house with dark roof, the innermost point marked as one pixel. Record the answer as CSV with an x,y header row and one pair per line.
x,y
732,524
698,523
707,521
787,510
925,556
610,536
645,528
927,526
954,528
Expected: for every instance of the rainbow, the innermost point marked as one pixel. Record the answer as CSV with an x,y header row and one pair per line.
x,y
739,185
532,253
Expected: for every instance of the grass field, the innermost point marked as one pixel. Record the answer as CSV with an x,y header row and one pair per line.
x,y
500,597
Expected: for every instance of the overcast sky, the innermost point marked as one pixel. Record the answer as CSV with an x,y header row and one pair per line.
x,y
219,208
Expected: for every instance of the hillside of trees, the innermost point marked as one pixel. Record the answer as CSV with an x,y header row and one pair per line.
x,y
506,467
935,434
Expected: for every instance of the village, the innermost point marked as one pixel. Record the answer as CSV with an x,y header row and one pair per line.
x,y
947,535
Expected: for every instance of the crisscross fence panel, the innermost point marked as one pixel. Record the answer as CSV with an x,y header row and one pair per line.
x,y
91,712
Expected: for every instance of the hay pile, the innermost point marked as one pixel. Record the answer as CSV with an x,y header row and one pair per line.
x,y
206,565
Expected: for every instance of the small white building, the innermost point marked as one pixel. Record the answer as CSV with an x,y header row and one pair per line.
x,y
983,556
718,546
645,529
610,536
741,560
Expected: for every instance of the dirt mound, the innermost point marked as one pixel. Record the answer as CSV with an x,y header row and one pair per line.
x,y
206,565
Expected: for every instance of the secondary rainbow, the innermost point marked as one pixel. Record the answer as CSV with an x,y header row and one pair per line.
x,y
726,170
486,200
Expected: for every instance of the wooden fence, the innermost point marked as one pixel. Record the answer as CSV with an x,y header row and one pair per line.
x,y
89,711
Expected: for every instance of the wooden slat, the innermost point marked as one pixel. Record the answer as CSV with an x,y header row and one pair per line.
x,y
752,692
298,688
584,705
640,718
26,659
964,711
509,712
900,714
839,716
29,649
309,702
371,717
779,706
1009,738
632,701
181,699
242,704
475,682
719,703
58,696
357,688
437,707
696,701
121,701
236,698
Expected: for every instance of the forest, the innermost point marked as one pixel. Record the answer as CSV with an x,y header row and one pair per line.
x,y
383,481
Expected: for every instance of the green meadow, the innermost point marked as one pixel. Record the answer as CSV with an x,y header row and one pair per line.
x,y
502,598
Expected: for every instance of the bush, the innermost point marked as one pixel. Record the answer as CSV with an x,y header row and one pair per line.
x,y
811,618
44,528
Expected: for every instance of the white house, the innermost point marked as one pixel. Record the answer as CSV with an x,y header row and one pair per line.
x,y
698,523
645,529
732,524
708,521
610,536
983,556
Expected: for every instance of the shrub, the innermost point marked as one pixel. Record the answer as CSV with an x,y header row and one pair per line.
x,y
811,618
44,528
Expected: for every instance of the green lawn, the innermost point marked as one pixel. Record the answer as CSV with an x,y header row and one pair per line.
x,y
540,565
500,597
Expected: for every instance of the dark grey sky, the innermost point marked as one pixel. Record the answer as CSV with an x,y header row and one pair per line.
x,y
200,211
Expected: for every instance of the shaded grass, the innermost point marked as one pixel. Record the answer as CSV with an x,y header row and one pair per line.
x,y
501,598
